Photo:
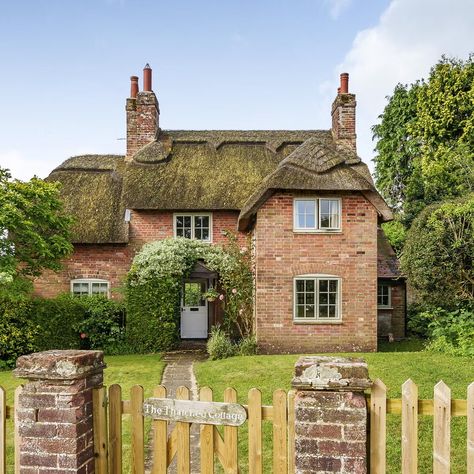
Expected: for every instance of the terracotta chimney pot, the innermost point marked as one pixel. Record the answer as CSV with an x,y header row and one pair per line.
x,y
344,83
133,87
147,78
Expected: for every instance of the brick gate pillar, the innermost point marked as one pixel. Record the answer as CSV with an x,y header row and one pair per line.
x,y
54,411
331,415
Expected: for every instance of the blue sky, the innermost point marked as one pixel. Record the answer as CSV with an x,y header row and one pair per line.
x,y
217,65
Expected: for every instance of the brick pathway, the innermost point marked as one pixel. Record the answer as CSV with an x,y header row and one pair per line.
x,y
179,371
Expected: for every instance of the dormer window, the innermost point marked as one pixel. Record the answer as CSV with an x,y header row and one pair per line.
x,y
197,226
316,214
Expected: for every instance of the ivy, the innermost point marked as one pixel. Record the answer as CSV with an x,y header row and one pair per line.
x,y
154,288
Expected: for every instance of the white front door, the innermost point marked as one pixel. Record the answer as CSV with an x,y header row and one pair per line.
x,y
194,310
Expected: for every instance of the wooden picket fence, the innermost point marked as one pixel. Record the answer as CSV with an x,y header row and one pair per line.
x,y
441,408
213,445
7,413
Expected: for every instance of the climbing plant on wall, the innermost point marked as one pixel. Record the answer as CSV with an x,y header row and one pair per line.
x,y
154,288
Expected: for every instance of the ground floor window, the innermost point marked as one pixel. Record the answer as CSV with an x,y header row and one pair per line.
x,y
384,295
89,286
317,298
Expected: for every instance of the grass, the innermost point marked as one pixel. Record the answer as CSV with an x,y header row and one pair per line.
x,y
129,370
394,364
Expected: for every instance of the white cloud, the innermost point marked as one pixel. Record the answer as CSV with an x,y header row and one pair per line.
x,y
337,7
410,37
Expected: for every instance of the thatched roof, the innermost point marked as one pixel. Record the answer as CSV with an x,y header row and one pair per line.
x,y
92,190
204,170
319,164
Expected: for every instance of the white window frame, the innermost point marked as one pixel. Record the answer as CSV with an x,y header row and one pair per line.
x,y
89,282
193,215
317,219
389,286
316,319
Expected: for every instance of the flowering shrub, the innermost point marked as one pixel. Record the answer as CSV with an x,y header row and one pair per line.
x,y
154,288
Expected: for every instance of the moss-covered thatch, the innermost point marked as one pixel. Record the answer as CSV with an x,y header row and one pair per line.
x,y
319,164
204,170
92,190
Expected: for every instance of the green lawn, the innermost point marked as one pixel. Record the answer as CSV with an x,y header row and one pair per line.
x,y
145,370
394,364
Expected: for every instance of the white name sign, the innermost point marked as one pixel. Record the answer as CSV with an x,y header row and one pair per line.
x,y
210,413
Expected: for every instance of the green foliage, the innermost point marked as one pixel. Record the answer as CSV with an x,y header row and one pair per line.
x,y
248,346
220,346
419,317
396,234
34,231
438,254
452,332
57,320
152,313
425,147
17,331
102,323
155,281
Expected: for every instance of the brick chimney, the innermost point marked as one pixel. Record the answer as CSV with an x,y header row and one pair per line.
x,y
343,115
143,113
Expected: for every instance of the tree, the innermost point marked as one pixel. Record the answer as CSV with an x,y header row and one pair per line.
x,y
439,252
425,139
34,231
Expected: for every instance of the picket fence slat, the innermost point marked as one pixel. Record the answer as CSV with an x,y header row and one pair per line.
x,y
255,431
17,438
280,429
207,437
378,427
219,448
160,438
183,434
231,437
136,420
409,427
172,448
115,429
442,429
99,419
470,429
3,431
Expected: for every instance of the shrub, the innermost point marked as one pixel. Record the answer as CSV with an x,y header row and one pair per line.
x,y
102,326
438,254
248,346
219,345
57,320
419,317
452,332
17,331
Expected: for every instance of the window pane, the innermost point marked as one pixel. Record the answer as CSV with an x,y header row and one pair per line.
x,y
198,234
332,311
333,285
201,221
309,285
193,294
187,233
310,298
299,285
323,311
323,298
305,214
310,311
299,298
323,285
205,234
330,213
325,222
332,298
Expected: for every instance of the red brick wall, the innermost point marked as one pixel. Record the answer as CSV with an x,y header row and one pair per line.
x,y
282,254
393,320
112,261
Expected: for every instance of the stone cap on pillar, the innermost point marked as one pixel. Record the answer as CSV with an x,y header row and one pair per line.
x,y
59,365
346,374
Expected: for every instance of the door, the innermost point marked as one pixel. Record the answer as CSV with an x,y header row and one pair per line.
x,y
194,310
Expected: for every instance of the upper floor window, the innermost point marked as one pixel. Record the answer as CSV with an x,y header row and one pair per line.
x,y
193,226
89,287
317,298
317,214
384,295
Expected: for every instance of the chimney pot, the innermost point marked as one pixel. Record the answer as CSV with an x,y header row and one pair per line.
x,y
344,89
147,87
133,87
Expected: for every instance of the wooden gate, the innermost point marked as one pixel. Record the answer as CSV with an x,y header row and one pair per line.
x,y
216,445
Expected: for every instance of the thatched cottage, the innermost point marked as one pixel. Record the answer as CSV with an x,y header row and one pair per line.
x,y
325,276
